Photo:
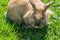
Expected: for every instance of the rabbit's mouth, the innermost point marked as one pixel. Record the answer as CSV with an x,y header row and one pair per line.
x,y
37,22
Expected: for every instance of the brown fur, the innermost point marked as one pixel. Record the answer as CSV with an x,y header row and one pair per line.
x,y
19,10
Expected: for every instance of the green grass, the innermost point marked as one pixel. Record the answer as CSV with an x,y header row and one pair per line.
x,y
12,31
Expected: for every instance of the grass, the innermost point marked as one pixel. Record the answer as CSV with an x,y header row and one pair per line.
x,y
12,31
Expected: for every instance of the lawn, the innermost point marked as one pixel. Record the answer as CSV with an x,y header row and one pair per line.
x,y
12,31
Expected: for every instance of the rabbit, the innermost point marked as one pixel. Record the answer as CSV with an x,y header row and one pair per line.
x,y
31,12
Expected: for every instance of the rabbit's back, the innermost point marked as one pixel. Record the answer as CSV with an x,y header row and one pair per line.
x,y
17,8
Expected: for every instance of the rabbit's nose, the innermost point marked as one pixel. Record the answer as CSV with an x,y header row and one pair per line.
x,y
38,16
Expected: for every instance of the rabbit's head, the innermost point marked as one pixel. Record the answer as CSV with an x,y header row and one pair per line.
x,y
39,11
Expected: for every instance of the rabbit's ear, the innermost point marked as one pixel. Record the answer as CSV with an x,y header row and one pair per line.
x,y
27,14
48,5
32,3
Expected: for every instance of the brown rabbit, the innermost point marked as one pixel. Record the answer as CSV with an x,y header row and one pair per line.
x,y
32,12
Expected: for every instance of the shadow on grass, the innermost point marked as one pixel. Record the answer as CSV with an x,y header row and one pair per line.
x,y
29,34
